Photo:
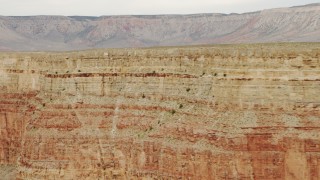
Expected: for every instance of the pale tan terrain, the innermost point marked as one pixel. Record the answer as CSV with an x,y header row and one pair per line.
x,y
203,112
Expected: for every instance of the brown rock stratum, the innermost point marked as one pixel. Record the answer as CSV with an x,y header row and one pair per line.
x,y
219,112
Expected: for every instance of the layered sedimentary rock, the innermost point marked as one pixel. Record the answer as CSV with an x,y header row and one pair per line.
x,y
52,33
221,112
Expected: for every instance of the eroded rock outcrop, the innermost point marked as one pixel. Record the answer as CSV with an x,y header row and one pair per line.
x,y
63,33
225,112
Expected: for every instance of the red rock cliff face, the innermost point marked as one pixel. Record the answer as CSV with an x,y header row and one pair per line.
x,y
226,112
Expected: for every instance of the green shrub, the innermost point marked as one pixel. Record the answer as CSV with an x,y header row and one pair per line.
x,y
173,111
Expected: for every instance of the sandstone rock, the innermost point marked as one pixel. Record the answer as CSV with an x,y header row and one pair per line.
x,y
221,112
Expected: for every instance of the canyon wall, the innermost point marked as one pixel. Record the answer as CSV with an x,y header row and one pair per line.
x,y
218,112
63,33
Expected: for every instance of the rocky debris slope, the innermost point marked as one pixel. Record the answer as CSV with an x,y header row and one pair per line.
x,y
50,33
221,112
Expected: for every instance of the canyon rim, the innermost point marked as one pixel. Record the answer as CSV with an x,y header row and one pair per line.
x,y
202,112
65,33
161,96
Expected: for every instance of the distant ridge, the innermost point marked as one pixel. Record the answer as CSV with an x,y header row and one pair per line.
x,y
307,5
59,33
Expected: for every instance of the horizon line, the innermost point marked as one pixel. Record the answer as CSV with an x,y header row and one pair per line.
x,y
162,14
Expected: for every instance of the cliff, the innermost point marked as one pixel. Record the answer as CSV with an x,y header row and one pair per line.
x,y
215,112
61,33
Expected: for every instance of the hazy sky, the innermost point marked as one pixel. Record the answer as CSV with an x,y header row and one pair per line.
x,y
129,7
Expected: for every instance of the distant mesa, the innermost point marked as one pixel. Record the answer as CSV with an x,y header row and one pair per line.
x,y
60,33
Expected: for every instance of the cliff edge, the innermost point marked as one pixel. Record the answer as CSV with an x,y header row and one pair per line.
x,y
207,112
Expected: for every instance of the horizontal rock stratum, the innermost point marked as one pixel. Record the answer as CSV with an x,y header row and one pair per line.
x,y
61,33
207,112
